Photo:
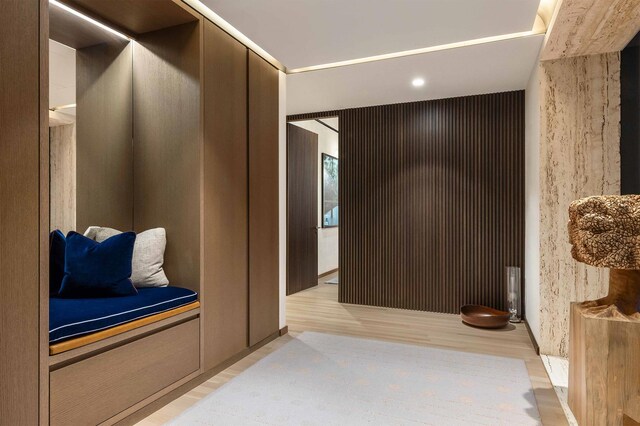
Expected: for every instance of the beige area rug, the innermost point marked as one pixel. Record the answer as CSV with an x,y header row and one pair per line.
x,y
322,379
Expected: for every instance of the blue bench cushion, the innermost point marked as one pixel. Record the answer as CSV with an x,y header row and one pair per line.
x,y
75,317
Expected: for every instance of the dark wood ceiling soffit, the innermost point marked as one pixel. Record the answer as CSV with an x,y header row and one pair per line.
x,y
134,17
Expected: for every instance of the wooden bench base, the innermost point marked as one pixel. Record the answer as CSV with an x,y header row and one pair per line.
x,y
97,388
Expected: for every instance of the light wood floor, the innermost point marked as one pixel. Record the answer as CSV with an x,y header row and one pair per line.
x,y
317,309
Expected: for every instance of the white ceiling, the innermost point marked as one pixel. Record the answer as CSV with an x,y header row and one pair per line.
x,y
487,68
301,33
304,33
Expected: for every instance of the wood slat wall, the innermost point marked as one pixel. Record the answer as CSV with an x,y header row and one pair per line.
x,y
432,201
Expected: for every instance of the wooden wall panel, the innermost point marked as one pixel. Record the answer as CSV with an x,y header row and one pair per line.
x,y
104,129
263,200
226,281
579,156
167,146
21,305
431,201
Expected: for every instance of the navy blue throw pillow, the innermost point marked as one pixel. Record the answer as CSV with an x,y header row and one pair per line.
x,y
93,269
57,245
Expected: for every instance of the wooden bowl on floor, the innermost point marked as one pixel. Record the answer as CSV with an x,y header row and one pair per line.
x,y
484,316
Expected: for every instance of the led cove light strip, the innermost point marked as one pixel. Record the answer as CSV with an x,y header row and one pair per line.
x,y
438,48
88,19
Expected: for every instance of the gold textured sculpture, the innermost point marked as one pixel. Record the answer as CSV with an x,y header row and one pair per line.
x,y
604,231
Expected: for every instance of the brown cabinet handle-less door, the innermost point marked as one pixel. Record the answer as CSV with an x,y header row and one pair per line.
x,y
264,262
302,209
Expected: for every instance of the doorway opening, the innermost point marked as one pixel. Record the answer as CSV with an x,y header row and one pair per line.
x,y
313,210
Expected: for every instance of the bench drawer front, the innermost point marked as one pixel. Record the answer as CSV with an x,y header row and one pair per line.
x,y
97,388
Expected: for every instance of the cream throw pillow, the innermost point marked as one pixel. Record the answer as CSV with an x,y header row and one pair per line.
x,y
148,254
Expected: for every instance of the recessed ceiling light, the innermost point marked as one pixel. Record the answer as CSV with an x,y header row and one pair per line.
x,y
418,82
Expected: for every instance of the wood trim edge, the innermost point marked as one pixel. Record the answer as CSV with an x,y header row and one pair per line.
x,y
284,330
333,271
44,213
532,337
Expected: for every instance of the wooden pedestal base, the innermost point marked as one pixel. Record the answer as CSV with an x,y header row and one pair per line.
x,y
604,366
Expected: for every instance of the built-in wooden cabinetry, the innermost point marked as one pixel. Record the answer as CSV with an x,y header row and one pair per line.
x,y
23,312
225,196
176,128
263,199
240,196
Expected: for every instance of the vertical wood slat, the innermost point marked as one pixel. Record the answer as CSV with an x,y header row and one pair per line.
x,y
431,201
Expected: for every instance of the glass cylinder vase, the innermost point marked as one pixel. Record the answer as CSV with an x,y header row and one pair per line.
x,y
513,293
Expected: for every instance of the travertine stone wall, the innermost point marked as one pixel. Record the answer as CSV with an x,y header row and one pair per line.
x,y
589,27
62,172
579,156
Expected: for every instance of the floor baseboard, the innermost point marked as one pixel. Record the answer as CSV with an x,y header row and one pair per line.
x,y
324,274
532,337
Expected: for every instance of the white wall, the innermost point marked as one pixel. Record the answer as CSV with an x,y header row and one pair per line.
x,y
282,194
532,202
62,74
327,237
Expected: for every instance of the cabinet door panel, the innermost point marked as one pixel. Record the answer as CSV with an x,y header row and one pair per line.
x,y
225,195
263,200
